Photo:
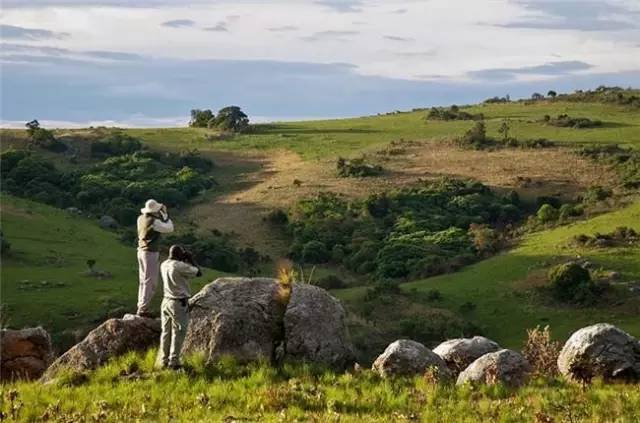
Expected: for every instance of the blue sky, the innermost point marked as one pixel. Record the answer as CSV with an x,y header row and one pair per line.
x,y
148,62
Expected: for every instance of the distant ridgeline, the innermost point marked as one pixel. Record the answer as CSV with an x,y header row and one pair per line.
x,y
602,94
413,232
124,176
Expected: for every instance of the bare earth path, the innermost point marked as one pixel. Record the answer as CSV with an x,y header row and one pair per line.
x,y
258,184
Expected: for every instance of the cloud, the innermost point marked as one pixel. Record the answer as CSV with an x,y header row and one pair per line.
x,y
342,6
576,15
396,38
547,69
25,4
179,23
399,11
102,91
39,53
330,35
12,32
416,54
284,28
219,27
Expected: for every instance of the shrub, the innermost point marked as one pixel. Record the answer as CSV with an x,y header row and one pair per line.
x,y
547,213
571,282
485,239
331,282
595,194
277,217
625,161
357,168
5,246
542,352
453,113
567,210
215,251
115,145
476,137
565,121
315,252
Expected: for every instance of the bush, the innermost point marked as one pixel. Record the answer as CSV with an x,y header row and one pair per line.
x,y
214,251
357,168
542,352
626,161
547,213
595,194
570,282
453,113
115,145
331,282
476,137
565,121
277,217
315,252
5,246
567,211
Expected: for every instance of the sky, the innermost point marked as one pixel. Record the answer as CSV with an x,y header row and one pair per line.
x,y
72,63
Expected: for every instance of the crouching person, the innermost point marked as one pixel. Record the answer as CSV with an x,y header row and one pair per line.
x,y
175,272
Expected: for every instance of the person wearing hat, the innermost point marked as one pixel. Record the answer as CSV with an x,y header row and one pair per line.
x,y
152,222
176,272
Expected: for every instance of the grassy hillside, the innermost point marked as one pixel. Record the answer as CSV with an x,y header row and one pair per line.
x,y
502,288
43,276
129,390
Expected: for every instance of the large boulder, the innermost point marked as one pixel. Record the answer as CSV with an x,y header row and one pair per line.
x,y
24,354
108,222
459,353
239,317
315,328
505,366
601,350
113,338
405,357
256,318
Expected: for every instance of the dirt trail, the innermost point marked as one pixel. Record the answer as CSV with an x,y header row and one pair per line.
x,y
281,178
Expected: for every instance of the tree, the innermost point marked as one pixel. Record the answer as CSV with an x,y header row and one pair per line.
x,y
537,96
200,118
32,126
504,129
552,94
230,118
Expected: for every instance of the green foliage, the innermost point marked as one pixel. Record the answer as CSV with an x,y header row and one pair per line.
x,y
5,246
44,138
453,113
603,94
200,118
596,193
315,252
408,232
357,168
565,121
230,118
476,137
330,282
547,213
626,161
214,251
117,186
117,144
498,100
572,283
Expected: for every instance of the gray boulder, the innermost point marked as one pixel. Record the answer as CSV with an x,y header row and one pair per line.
x,y
255,318
239,317
25,353
405,357
505,366
315,328
108,222
113,338
459,353
601,350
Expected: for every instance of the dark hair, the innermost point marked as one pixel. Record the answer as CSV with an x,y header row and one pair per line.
x,y
177,252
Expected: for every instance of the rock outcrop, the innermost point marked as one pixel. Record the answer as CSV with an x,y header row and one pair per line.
x,y
405,357
460,353
250,319
239,317
601,350
113,338
505,366
315,328
25,354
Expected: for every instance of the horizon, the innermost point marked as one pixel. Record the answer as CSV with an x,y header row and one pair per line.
x,y
148,63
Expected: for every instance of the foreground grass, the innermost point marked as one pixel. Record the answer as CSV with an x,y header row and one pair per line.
x,y
43,277
128,389
502,288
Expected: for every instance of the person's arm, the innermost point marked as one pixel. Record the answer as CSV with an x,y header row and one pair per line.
x,y
163,227
186,269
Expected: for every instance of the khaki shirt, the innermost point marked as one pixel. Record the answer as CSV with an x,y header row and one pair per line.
x,y
175,276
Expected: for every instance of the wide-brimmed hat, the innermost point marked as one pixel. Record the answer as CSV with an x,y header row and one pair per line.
x,y
151,206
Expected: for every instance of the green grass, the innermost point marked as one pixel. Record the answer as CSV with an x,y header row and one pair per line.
x,y
42,277
348,137
505,308
128,389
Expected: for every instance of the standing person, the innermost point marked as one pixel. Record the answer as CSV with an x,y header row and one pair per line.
x,y
152,222
175,271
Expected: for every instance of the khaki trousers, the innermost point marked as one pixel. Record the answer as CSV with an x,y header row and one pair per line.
x,y
148,271
175,320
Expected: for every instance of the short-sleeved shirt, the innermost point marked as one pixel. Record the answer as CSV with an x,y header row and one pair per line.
x,y
175,278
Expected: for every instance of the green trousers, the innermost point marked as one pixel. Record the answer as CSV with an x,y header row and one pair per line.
x,y
175,320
